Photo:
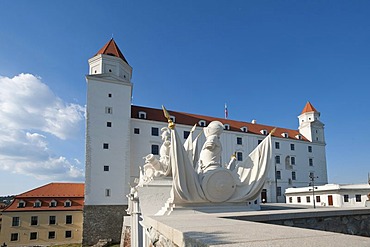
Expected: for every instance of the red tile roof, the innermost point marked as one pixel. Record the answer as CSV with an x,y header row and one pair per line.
x,y
111,49
308,108
56,190
59,192
191,119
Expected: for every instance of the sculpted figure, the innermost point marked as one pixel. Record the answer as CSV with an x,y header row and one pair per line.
x,y
154,167
210,155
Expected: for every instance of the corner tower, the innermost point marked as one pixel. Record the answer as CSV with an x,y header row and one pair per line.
x,y
107,168
310,125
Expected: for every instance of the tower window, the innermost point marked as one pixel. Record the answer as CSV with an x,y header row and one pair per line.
x,y
110,70
106,168
107,192
108,110
109,124
105,145
155,131
110,95
155,149
136,131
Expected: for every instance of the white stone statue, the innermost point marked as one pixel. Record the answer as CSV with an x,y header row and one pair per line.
x,y
210,155
154,167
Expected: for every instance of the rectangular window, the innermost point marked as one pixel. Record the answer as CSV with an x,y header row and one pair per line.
x,y
292,147
239,141
278,191
106,168
292,160
136,131
51,235
346,198
107,192
186,134
14,237
290,199
109,124
52,220
277,159
277,145
34,220
358,198
108,110
299,199
105,146
308,199
155,149
294,176
68,234
33,235
310,161
110,95
68,219
310,149
278,174
239,156
318,199
155,131
15,221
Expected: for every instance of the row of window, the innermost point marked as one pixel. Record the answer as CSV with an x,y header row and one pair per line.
x,y
34,235
292,147
318,199
278,175
35,220
38,203
291,160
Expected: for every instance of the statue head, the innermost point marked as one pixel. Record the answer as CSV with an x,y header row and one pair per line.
x,y
214,128
166,134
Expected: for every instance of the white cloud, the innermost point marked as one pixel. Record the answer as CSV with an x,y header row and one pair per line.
x,y
29,113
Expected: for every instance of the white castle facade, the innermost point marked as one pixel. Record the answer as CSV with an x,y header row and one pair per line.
x,y
119,135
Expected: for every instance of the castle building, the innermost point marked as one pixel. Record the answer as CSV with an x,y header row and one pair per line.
x,y
119,135
48,215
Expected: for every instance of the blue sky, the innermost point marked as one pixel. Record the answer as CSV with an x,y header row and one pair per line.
x,y
265,59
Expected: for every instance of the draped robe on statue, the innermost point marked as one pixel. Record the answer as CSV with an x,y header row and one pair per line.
x,y
250,174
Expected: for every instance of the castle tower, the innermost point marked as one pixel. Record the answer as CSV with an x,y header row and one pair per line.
x,y
109,91
310,125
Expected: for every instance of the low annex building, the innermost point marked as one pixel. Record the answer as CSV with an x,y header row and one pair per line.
x,y
330,195
48,215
